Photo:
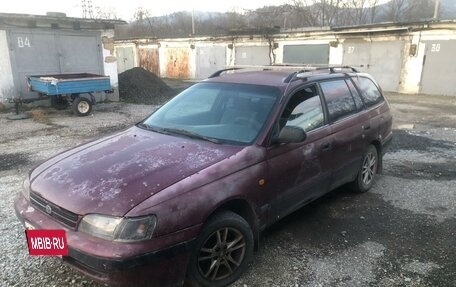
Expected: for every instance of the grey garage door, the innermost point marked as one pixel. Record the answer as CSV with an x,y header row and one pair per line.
x,y
383,60
252,55
125,58
52,52
306,54
209,60
439,70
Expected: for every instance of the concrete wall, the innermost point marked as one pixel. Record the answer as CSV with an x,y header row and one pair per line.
x,y
7,89
110,62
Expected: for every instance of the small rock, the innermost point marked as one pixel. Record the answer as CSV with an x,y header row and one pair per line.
x,y
343,233
362,217
407,279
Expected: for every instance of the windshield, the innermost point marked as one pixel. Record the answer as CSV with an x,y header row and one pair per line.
x,y
219,112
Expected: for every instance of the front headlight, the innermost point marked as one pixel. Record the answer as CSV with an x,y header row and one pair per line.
x,y
118,228
26,188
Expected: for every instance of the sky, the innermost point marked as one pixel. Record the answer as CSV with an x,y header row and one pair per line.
x,y
125,9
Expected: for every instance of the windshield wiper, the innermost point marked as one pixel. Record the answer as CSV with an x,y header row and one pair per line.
x,y
190,134
152,128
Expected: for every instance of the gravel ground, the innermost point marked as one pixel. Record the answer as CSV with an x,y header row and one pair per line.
x,y
401,233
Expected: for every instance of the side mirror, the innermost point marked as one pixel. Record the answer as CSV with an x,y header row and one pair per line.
x,y
290,134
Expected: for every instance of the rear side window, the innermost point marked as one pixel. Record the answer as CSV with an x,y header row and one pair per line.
x,y
369,91
338,99
355,94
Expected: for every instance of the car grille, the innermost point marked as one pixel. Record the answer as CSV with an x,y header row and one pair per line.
x,y
62,215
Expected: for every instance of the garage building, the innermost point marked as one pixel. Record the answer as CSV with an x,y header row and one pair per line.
x,y
53,44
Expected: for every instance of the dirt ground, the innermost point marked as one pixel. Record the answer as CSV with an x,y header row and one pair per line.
x,y
401,233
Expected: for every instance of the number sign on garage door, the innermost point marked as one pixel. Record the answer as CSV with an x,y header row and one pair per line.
x,y
439,70
57,52
306,54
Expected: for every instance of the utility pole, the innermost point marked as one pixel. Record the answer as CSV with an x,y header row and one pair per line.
x,y
87,9
436,9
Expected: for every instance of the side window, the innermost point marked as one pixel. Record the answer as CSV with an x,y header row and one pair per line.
x,y
304,110
369,91
338,99
355,94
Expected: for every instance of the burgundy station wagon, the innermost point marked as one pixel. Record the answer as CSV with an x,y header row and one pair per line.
x,y
184,194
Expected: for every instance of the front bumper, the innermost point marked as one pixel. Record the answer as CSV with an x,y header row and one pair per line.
x,y
153,269
161,261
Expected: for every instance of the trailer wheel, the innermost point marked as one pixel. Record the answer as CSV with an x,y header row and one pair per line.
x,y
82,106
58,102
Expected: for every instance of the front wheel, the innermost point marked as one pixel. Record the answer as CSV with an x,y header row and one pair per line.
x,y
82,106
222,252
368,170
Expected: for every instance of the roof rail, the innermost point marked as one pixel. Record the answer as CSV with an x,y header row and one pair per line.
x,y
332,68
219,72
301,68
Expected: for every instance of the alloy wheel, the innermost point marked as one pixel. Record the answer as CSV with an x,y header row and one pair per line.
x,y
369,168
221,254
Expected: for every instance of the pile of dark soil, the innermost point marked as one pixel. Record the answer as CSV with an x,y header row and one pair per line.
x,y
140,86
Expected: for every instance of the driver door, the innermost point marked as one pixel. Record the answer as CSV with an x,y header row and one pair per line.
x,y
300,172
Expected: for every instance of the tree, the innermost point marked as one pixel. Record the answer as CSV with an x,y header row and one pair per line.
x,y
106,13
396,10
142,24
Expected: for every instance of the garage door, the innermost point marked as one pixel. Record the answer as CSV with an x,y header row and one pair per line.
x,y
383,60
439,70
149,59
209,60
252,55
41,52
306,54
125,58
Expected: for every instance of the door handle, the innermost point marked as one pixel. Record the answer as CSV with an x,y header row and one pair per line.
x,y
326,146
366,128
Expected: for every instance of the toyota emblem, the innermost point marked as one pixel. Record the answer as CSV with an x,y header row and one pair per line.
x,y
48,209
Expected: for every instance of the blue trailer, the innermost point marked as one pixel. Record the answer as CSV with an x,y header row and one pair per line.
x,y
66,89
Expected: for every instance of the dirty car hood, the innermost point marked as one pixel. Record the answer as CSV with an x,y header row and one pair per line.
x,y
112,175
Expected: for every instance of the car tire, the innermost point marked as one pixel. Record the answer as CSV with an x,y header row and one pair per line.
x,y
367,171
222,252
82,106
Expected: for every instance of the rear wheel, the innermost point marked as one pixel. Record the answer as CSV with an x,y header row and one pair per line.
x,y
368,170
82,106
222,251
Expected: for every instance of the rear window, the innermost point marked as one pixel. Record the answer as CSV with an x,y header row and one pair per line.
x,y
338,99
369,91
